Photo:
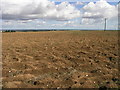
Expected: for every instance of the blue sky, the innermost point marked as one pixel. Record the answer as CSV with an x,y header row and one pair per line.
x,y
85,0
59,14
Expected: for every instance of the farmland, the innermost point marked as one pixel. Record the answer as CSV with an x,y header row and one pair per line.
x,y
60,59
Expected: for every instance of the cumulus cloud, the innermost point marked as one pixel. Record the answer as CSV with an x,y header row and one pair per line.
x,y
87,21
79,3
36,9
99,10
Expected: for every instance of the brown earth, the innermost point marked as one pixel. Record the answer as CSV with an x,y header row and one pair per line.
x,y
60,59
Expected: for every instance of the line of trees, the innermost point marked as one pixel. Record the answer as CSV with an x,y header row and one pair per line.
x,y
9,31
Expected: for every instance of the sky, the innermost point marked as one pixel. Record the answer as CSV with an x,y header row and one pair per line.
x,y
59,14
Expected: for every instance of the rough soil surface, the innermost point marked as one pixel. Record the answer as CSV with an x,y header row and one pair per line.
x,y
60,59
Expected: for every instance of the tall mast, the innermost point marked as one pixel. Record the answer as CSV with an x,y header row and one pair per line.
x,y
105,24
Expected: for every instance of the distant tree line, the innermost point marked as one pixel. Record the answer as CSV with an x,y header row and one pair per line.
x,y
9,31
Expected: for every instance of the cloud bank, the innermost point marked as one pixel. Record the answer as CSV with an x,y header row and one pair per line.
x,y
36,9
47,13
99,10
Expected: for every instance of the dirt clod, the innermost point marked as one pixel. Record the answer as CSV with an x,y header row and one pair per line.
x,y
63,59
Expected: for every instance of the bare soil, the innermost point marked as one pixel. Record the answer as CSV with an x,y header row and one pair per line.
x,y
60,59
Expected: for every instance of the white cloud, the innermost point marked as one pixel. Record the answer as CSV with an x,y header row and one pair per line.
x,y
36,9
69,23
79,3
87,21
7,22
24,21
91,21
66,24
95,12
41,22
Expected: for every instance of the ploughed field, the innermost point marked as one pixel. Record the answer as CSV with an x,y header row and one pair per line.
x,y
60,59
